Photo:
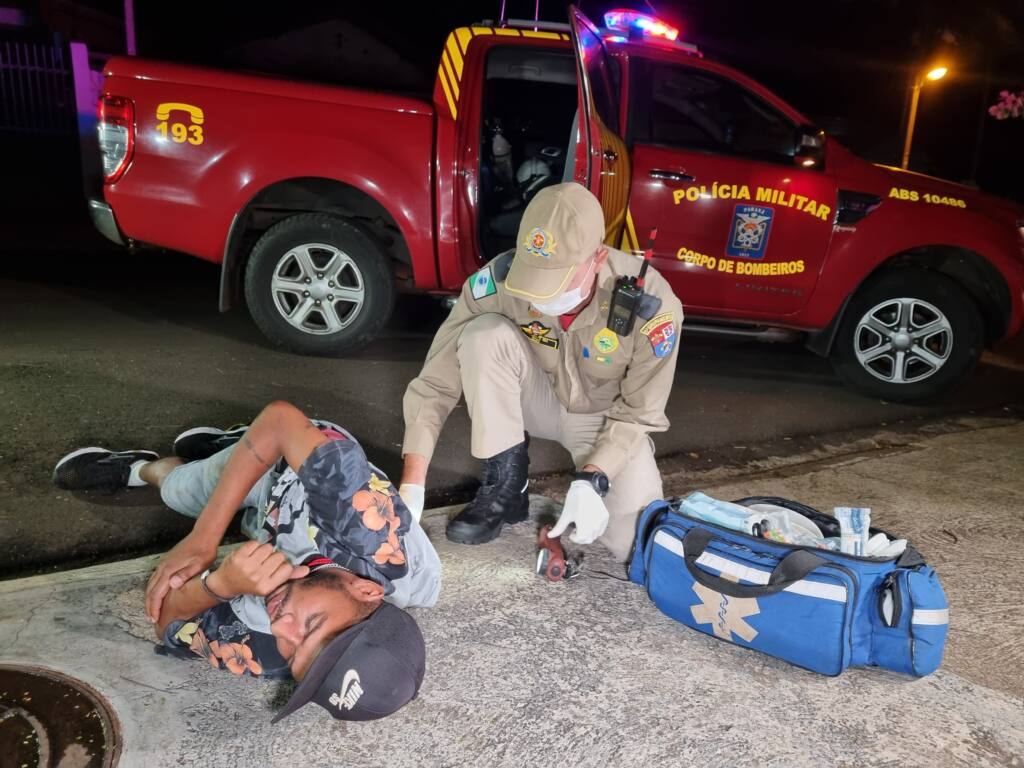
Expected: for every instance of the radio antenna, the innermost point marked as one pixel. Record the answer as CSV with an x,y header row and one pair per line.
x,y
648,253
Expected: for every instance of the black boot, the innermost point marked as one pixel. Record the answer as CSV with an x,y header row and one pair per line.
x,y
502,498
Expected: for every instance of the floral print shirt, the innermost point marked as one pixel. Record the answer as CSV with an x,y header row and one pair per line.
x,y
337,507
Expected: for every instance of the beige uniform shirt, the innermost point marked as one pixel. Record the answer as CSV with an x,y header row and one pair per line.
x,y
591,369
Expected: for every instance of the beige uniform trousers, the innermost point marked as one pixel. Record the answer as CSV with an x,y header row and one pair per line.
x,y
507,393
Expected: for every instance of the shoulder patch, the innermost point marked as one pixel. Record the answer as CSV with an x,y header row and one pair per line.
x,y
649,306
661,332
502,264
664,317
481,284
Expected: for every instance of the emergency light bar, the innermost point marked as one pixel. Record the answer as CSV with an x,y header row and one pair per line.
x,y
642,24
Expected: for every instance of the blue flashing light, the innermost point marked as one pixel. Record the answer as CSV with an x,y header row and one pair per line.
x,y
625,21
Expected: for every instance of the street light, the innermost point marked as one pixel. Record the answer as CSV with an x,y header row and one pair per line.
x,y
936,73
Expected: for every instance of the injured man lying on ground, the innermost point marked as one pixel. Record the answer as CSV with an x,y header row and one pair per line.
x,y
318,592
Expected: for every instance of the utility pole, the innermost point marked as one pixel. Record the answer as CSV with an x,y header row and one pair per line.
x,y
915,95
129,26
936,73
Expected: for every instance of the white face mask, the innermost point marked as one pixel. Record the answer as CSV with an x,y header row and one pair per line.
x,y
565,301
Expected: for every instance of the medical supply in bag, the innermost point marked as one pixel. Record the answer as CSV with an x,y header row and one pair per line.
x,y
816,608
786,526
853,529
703,507
768,521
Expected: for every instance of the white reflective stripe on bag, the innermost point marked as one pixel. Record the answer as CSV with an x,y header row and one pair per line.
x,y
753,575
930,616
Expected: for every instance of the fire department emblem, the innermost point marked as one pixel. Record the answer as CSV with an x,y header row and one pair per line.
x,y
540,243
751,225
661,332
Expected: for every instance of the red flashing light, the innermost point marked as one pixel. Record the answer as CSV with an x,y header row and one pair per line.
x,y
627,21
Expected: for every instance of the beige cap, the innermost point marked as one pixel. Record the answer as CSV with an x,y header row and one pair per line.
x,y
562,227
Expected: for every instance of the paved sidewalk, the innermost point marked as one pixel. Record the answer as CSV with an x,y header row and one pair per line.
x,y
589,673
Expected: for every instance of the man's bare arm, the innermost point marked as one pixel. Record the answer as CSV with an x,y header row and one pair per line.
x,y
252,569
281,429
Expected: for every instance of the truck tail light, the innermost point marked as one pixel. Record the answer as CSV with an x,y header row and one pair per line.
x,y
116,129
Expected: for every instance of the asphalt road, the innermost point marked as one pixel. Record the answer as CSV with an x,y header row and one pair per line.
x,y
100,347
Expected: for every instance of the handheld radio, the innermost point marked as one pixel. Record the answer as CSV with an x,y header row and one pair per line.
x,y
627,294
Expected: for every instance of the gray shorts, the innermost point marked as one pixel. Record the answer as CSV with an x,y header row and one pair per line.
x,y
188,488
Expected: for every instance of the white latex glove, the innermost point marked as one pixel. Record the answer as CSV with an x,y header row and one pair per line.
x,y
586,510
412,495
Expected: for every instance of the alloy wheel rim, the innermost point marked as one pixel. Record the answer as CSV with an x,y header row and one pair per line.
x,y
903,340
317,288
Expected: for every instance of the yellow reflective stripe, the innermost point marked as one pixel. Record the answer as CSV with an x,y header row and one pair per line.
x,y
464,35
634,244
538,33
506,31
453,50
451,75
564,36
482,30
447,93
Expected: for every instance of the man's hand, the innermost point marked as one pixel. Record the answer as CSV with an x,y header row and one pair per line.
x,y
189,556
413,495
586,510
253,569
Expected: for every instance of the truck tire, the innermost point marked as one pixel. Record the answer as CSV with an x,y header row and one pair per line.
x,y
319,285
908,335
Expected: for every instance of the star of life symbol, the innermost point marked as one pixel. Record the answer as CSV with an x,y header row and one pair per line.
x,y
350,692
725,614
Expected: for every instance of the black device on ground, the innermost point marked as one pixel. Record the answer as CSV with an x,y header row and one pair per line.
x,y
627,295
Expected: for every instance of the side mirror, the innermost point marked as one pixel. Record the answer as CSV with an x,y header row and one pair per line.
x,y
809,151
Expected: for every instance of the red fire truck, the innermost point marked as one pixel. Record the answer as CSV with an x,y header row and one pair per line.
x,y
322,203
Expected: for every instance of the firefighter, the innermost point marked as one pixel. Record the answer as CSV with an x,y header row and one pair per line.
x,y
528,345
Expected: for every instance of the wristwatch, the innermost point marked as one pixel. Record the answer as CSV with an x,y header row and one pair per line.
x,y
598,480
210,592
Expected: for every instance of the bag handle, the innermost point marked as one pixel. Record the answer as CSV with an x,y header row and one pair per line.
x,y
790,569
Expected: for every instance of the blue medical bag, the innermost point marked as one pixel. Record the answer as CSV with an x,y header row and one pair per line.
x,y
814,608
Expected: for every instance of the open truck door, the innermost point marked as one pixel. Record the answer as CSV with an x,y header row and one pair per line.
x,y
602,159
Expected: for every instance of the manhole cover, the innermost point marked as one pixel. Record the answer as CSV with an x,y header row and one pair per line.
x,y
53,721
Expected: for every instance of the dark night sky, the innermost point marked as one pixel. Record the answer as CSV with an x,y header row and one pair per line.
x,y
845,62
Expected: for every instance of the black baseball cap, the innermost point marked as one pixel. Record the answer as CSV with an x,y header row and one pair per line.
x,y
369,671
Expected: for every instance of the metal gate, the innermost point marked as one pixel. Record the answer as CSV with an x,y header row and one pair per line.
x,y
36,90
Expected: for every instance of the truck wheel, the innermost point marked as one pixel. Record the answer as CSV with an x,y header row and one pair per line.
x,y
909,335
318,285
